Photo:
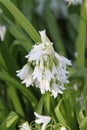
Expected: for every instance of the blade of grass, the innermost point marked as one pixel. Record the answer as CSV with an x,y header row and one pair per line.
x,y
17,32
69,109
10,121
21,20
8,58
58,113
80,43
14,98
11,68
40,105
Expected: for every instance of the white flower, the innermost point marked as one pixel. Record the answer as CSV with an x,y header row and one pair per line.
x,y
44,120
46,69
2,32
63,128
25,74
25,126
75,54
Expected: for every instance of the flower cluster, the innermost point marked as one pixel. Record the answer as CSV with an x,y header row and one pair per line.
x,y
45,69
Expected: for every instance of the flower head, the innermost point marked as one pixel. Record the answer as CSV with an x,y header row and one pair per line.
x,y
25,126
46,69
44,120
2,32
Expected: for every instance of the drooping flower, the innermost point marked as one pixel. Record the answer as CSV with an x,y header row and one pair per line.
x,y
26,75
25,126
44,120
45,69
2,32
63,128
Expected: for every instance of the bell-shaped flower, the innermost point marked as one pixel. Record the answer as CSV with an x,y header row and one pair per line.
x,y
44,120
25,74
63,128
25,126
46,69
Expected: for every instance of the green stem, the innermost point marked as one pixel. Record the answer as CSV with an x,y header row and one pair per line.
x,y
81,37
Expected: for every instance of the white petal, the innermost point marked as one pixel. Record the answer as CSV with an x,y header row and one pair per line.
x,y
63,128
44,85
25,74
48,74
44,120
21,73
55,90
65,60
2,32
37,74
43,35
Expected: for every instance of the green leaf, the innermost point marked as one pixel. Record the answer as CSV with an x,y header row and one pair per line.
x,y
15,100
40,105
10,122
58,113
79,113
69,109
18,33
21,20
47,102
80,43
